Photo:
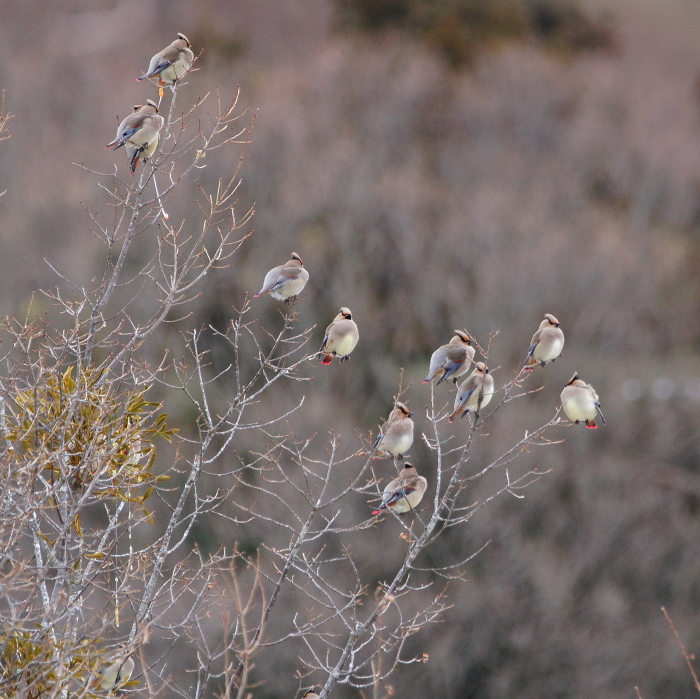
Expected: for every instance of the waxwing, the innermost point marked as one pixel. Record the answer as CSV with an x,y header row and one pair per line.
x,y
285,282
404,493
171,63
580,402
547,343
396,437
340,339
474,393
139,133
451,360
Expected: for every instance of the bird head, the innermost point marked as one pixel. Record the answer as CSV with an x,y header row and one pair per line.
x,y
573,379
403,409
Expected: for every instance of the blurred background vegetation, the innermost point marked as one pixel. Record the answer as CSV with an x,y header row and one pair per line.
x,y
438,165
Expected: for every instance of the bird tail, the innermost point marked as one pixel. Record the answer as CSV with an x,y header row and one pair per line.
x,y
135,159
600,412
445,375
529,360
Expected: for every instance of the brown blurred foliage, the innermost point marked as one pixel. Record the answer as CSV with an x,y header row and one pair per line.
x,y
426,200
459,28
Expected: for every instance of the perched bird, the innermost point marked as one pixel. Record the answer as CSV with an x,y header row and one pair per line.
x,y
309,694
340,339
451,360
116,674
403,493
286,281
171,63
139,133
474,393
580,402
396,437
547,343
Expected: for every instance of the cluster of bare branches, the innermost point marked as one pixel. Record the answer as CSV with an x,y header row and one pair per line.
x,y
101,493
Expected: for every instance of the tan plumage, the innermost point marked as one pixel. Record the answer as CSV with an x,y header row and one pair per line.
x,y
116,674
396,437
309,694
474,393
340,339
451,360
171,63
546,344
139,133
286,281
404,493
580,402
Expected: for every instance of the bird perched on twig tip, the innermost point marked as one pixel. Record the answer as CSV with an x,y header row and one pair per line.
x,y
171,63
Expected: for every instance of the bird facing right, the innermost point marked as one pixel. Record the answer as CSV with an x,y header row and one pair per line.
x,y
474,393
139,133
340,338
404,493
285,282
396,437
546,344
451,360
580,402
171,63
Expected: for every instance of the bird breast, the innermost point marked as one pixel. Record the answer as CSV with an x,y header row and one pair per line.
x,y
550,345
578,403
398,439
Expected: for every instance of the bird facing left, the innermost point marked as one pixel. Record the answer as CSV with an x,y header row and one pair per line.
x,y
139,133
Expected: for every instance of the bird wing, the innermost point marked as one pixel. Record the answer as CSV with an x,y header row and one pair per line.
x,y
285,275
326,336
131,125
456,356
161,61
464,397
397,495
